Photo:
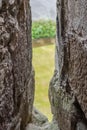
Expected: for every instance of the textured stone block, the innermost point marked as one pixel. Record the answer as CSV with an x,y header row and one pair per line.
x,y
16,74
70,79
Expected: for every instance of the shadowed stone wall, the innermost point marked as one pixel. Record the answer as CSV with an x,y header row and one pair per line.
x,y
68,87
16,74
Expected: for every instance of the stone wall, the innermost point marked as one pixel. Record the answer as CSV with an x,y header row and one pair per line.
x,y
68,87
16,73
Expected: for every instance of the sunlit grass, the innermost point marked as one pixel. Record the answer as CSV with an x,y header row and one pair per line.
x,y
43,61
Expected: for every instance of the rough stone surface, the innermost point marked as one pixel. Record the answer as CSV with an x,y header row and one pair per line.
x,y
38,118
40,122
47,126
68,87
16,73
81,126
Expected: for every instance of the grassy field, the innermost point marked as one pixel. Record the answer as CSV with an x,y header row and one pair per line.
x,y
43,62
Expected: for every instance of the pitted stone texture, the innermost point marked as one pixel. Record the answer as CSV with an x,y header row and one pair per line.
x,y
77,16
62,105
70,79
78,71
38,118
16,73
48,126
40,122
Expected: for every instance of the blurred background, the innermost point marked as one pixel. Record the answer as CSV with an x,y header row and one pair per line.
x,y
43,39
43,9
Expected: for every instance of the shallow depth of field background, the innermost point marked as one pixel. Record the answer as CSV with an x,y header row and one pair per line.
x,y
43,26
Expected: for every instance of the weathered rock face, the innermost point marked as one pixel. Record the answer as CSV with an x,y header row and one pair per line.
x,y
68,87
16,74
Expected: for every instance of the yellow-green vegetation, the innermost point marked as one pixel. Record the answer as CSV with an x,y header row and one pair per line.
x,y
43,29
43,61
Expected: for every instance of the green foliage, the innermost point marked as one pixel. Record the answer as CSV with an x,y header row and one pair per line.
x,y
43,29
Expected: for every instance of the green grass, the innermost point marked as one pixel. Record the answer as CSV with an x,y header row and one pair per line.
x,y
43,61
43,29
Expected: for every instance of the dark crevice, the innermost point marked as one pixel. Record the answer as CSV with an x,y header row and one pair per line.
x,y
80,114
62,19
10,51
64,72
12,60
